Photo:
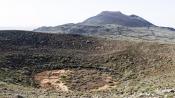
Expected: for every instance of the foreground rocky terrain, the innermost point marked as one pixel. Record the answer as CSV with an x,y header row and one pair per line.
x,y
69,65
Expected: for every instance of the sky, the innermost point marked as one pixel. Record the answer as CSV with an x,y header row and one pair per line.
x,y
30,14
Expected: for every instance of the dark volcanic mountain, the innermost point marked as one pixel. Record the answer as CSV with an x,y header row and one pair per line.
x,y
115,25
106,21
108,17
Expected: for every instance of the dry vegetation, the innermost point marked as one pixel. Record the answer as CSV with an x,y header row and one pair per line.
x,y
98,67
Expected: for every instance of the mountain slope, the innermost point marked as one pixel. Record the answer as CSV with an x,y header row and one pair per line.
x,y
13,38
77,65
160,34
118,18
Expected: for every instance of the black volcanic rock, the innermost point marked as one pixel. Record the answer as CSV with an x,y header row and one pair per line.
x,y
118,18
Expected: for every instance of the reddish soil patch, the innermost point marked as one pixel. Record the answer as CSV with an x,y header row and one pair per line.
x,y
74,80
51,80
87,80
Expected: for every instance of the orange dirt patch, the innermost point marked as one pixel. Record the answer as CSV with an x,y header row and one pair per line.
x,y
51,80
74,80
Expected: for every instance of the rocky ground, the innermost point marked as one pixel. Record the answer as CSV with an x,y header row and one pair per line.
x,y
53,65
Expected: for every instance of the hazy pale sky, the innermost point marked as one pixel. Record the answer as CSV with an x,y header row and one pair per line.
x,y
34,13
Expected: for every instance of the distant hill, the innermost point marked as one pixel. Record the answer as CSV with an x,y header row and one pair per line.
x,y
108,17
102,19
115,25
